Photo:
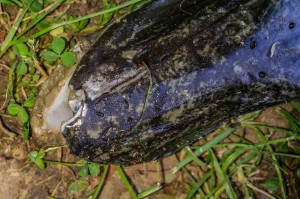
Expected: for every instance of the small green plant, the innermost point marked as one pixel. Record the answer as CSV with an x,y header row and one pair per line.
x,y
35,6
14,3
78,26
78,185
37,157
21,88
105,18
272,184
19,111
90,168
59,51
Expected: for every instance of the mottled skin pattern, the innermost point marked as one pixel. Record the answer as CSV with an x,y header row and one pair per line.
x,y
202,61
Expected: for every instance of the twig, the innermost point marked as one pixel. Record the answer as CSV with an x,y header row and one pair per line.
x,y
55,189
46,9
5,66
42,71
3,22
249,184
6,131
62,12
5,101
24,93
45,180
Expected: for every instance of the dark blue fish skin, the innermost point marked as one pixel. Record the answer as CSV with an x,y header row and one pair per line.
x,y
173,71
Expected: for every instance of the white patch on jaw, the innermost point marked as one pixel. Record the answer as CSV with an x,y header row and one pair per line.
x,y
76,99
112,119
97,84
94,133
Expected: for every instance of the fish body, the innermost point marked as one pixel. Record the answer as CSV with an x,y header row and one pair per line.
x,y
173,71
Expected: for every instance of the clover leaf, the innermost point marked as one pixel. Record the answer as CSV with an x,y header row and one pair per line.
x,y
68,59
37,158
58,45
50,56
19,111
21,49
22,68
90,168
94,169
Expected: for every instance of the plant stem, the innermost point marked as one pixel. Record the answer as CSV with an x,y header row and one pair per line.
x,y
64,163
279,129
126,182
104,174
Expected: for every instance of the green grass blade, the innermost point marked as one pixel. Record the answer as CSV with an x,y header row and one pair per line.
x,y
40,17
293,122
103,177
250,116
227,161
126,182
192,179
190,153
215,190
275,162
11,80
212,179
218,188
296,104
12,3
14,29
26,129
198,185
233,144
282,154
241,139
48,29
222,135
68,164
223,176
275,128
150,191
10,41
258,145
243,161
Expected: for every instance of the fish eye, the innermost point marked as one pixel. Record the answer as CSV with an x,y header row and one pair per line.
x,y
292,25
262,74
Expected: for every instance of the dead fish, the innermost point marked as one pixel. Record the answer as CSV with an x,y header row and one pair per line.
x,y
173,71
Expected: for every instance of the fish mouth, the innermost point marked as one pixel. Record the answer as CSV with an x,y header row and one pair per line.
x,y
99,85
52,107
75,118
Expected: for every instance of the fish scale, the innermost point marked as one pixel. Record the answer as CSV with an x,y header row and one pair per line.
x,y
171,72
